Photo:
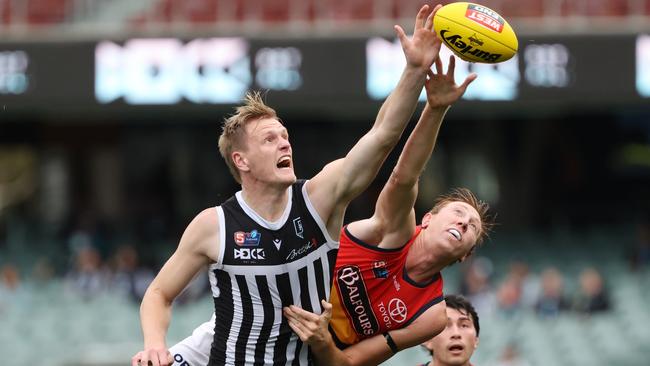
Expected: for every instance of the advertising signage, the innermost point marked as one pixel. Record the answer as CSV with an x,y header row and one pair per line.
x,y
206,72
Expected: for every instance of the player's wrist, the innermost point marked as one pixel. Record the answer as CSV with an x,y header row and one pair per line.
x,y
155,344
420,70
325,344
439,108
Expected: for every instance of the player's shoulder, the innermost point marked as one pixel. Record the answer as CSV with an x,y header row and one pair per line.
x,y
327,169
205,222
207,216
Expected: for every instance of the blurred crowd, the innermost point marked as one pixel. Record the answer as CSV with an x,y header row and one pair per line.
x,y
545,293
548,292
93,266
95,269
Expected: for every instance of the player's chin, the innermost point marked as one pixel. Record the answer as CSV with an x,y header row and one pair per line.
x,y
287,176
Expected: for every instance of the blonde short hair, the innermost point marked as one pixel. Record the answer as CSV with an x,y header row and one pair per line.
x,y
232,133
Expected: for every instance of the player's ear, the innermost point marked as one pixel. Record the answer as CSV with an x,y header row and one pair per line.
x,y
240,161
426,219
476,343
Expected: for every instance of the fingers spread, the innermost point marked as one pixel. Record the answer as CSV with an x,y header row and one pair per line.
x,y
452,65
468,81
421,17
429,22
439,66
400,34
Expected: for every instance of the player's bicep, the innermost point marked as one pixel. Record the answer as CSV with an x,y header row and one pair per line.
x,y
193,253
176,274
394,207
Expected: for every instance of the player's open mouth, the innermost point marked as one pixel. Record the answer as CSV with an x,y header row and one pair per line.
x,y
455,233
456,348
284,162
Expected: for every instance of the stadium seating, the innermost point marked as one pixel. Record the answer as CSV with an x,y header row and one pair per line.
x,y
105,330
52,12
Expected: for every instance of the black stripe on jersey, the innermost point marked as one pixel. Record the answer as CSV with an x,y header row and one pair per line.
x,y
331,258
269,318
305,302
247,321
284,289
318,273
305,299
223,318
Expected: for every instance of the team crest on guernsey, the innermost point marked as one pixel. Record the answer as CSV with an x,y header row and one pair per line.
x,y
297,225
248,239
379,269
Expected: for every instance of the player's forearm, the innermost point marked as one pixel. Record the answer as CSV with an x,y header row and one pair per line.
x,y
362,163
420,144
400,105
155,315
328,354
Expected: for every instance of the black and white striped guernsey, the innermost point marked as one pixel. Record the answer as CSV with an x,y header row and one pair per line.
x,y
262,267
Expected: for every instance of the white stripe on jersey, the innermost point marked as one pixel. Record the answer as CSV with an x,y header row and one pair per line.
x,y
318,219
326,277
236,323
258,318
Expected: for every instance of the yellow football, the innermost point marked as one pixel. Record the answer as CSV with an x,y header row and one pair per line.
x,y
475,33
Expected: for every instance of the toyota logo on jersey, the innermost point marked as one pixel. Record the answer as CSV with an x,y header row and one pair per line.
x,y
397,310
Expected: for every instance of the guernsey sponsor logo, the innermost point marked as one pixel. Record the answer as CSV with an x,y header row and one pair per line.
x,y
356,303
250,253
397,310
384,315
302,251
247,239
485,17
469,47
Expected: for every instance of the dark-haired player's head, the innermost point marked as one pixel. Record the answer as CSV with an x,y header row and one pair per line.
x,y
457,342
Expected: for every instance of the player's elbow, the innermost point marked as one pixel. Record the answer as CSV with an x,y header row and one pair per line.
x,y
155,296
403,179
385,138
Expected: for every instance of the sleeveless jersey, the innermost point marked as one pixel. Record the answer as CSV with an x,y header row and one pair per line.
x,y
372,293
262,267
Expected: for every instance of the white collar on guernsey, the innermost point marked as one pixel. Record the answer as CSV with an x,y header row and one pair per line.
x,y
275,225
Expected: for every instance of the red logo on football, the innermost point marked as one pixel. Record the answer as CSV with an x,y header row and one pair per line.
x,y
484,20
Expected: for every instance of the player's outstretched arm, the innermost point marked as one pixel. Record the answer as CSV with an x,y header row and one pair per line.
x,y
196,248
394,216
342,180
